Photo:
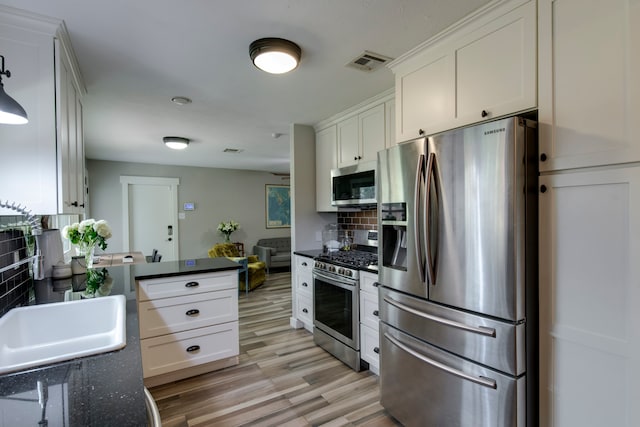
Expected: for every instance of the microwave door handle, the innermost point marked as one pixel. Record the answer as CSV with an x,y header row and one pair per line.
x,y
417,217
427,228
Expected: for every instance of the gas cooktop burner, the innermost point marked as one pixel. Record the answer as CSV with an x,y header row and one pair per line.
x,y
358,259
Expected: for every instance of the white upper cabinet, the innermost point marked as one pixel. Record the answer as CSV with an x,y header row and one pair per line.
x,y
361,136
43,160
481,68
589,59
348,141
325,161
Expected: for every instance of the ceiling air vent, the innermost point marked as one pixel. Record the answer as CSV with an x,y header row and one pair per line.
x,y
368,61
232,150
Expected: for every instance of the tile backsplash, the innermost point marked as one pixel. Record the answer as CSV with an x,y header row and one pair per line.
x,y
15,283
358,220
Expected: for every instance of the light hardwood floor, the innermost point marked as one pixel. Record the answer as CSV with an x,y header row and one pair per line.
x,y
283,379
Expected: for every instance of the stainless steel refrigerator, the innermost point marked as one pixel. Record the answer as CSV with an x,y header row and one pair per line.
x,y
458,273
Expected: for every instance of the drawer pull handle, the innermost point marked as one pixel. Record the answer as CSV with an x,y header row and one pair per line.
x,y
193,348
376,284
305,284
192,284
304,310
304,264
376,350
375,312
192,312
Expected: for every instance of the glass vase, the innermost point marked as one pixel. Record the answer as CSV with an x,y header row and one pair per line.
x,y
87,251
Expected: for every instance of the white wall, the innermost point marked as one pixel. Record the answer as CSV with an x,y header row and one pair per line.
x,y
306,222
218,194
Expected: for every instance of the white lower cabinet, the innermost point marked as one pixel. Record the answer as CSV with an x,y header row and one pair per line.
x,y
188,325
589,297
303,292
369,335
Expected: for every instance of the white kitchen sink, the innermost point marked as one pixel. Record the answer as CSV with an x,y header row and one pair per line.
x,y
42,334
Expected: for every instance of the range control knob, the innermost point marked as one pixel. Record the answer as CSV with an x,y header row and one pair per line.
x,y
348,273
341,270
332,269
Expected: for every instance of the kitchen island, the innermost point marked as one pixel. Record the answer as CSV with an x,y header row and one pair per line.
x,y
105,389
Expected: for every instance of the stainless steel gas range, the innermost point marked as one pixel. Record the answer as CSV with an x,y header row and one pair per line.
x,y
336,284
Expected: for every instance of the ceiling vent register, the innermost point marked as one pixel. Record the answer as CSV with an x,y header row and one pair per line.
x,y
368,61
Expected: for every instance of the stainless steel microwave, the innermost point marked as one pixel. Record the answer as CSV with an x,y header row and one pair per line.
x,y
354,185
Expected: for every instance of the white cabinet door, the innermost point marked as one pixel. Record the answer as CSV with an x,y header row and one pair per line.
x,y
589,64
70,139
390,123
28,172
348,140
325,161
372,133
495,67
589,298
425,94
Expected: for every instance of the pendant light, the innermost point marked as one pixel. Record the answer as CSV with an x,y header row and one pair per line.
x,y
176,142
275,56
11,112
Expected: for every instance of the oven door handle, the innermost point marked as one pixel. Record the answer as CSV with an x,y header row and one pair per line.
x,y
349,285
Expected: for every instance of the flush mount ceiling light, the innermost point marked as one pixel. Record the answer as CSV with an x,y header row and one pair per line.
x,y
176,142
275,56
11,112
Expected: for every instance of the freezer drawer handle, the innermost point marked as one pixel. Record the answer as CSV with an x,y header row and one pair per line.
x,y
489,332
483,381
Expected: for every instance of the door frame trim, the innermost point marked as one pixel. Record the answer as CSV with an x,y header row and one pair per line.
x,y
127,180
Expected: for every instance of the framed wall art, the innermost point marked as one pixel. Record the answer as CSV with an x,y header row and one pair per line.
x,y
278,206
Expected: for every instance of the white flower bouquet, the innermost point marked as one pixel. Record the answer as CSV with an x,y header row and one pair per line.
x,y
88,233
227,228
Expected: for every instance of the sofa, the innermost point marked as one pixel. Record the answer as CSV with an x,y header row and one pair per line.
x,y
256,267
274,251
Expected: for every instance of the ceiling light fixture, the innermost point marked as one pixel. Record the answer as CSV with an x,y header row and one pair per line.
x,y
11,112
176,142
181,100
275,56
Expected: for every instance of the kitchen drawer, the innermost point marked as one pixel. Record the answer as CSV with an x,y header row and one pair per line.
x,y
304,284
304,264
167,287
168,353
305,309
169,315
369,310
370,347
368,282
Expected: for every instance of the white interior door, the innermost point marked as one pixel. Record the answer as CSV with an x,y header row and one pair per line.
x,y
150,212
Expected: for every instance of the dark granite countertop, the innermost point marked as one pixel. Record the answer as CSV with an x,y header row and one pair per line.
x,y
106,389
311,253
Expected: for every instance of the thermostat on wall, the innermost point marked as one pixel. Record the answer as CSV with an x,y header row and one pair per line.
x,y
189,206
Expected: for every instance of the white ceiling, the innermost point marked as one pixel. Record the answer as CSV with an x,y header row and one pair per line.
x,y
135,55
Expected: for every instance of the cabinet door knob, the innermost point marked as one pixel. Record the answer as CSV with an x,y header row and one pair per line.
x,y
375,312
74,204
543,188
193,348
305,284
543,157
355,158
376,284
484,113
304,264
376,350
359,157
192,284
420,132
192,312
304,310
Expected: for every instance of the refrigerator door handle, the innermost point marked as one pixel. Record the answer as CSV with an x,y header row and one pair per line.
x,y
481,330
417,217
483,381
427,228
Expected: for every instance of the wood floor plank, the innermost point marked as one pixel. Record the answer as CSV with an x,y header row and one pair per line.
x,y
283,379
